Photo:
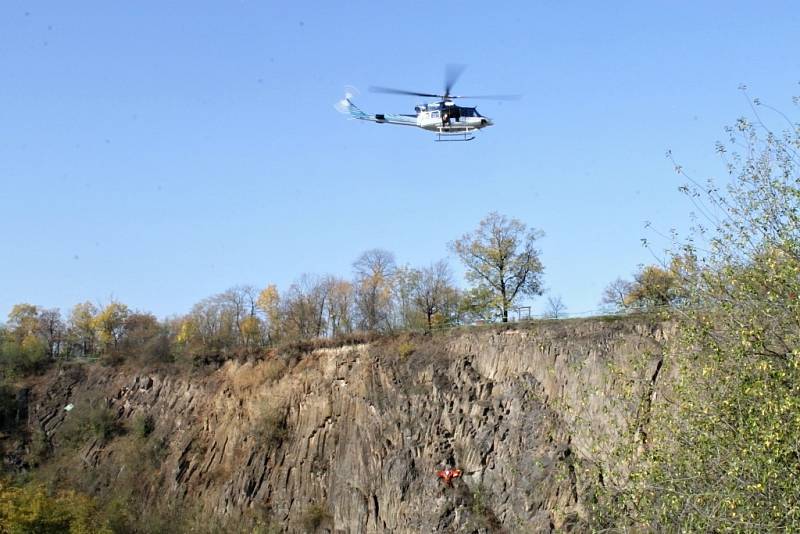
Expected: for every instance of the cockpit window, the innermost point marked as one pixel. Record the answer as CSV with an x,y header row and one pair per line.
x,y
469,112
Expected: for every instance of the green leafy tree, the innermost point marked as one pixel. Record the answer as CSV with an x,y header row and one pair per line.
x,y
722,450
502,261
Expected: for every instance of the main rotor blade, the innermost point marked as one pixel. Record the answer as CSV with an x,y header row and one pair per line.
x,y
391,91
451,75
490,97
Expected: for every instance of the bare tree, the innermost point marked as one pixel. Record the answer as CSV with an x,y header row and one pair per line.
x,y
240,303
615,293
341,300
213,322
434,294
374,271
404,283
304,307
555,307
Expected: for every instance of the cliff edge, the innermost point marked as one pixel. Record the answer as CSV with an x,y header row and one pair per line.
x,y
349,439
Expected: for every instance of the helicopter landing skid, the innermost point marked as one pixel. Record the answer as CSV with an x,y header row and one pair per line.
x,y
442,137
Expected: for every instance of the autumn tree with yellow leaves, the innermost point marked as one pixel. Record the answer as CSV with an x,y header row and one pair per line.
x,y
109,324
81,332
268,303
652,287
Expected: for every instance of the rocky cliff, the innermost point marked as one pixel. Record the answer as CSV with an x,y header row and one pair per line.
x,y
349,439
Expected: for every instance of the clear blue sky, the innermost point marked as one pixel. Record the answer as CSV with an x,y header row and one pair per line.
x,y
161,152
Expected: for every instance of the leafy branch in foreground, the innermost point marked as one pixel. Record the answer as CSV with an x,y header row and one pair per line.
x,y
724,448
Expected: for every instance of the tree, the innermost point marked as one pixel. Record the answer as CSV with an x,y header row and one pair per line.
x,y
144,337
24,348
652,287
269,303
34,327
615,293
340,306
81,332
374,271
239,303
210,328
304,308
251,331
434,295
404,284
721,455
476,304
555,307
501,260
109,324
23,319
53,331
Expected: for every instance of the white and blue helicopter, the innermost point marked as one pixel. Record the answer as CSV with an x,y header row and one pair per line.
x,y
450,122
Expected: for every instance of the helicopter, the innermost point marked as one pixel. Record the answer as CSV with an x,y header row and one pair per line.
x,y
449,121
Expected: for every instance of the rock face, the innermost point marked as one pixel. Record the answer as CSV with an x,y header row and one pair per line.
x,y
349,439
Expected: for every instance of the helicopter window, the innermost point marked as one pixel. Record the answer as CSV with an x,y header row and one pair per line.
x,y
434,114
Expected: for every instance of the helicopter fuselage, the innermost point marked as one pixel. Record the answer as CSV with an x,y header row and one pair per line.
x,y
447,117
447,120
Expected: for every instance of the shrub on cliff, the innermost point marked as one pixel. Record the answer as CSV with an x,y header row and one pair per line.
x,y
89,419
33,509
314,517
143,425
270,427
